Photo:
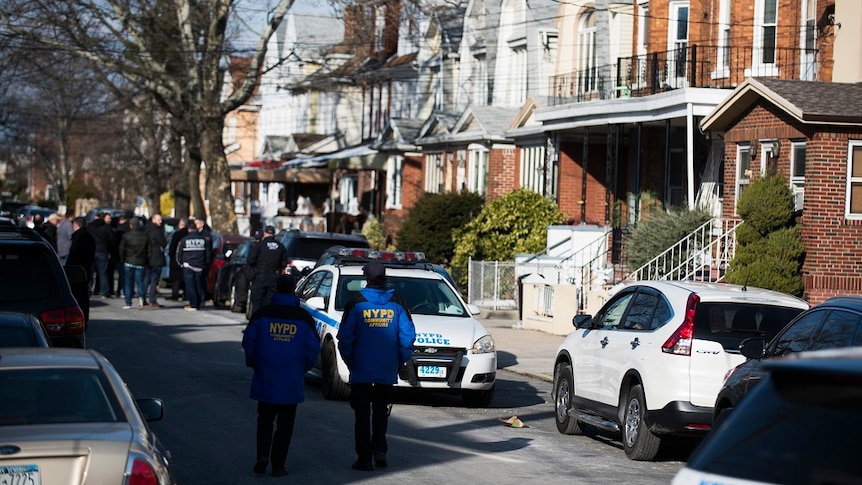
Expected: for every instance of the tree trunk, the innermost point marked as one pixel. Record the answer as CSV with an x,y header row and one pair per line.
x,y
218,185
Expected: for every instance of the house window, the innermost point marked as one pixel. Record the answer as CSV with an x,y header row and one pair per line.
x,y
379,28
722,53
587,56
477,170
480,80
518,74
743,168
770,27
533,169
854,181
765,30
393,181
434,173
797,173
677,43
808,69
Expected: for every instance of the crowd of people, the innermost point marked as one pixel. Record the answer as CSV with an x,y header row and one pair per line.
x,y
125,256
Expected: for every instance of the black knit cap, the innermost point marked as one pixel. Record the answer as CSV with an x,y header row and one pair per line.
x,y
374,271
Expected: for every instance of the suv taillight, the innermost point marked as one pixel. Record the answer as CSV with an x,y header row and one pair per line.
x,y
680,342
61,321
142,473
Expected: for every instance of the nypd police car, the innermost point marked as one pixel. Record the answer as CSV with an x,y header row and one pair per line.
x,y
452,350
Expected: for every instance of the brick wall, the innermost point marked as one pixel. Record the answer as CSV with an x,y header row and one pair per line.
x,y
572,196
833,244
502,171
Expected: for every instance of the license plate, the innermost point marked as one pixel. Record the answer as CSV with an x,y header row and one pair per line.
x,y
431,371
20,475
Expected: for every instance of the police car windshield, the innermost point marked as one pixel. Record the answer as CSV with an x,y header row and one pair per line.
x,y
423,296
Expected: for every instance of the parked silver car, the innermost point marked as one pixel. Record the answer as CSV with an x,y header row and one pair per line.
x,y
66,416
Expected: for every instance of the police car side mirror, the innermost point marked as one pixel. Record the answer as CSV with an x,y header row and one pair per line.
x,y
473,309
316,302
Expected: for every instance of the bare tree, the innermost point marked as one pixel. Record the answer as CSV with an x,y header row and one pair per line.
x,y
171,49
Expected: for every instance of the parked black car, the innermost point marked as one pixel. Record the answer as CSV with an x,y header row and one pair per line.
x,y
232,278
305,248
801,425
835,323
22,330
33,281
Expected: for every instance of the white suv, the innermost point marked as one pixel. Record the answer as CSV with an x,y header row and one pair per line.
x,y
651,362
452,350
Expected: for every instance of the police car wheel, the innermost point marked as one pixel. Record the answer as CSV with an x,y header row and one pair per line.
x,y
235,305
477,399
334,388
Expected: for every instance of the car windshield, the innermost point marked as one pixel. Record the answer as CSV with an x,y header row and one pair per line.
x,y
24,274
50,396
423,296
730,323
313,247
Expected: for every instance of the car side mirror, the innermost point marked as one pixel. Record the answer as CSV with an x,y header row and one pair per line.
x,y
752,348
473,309
316,302
583,321
152,409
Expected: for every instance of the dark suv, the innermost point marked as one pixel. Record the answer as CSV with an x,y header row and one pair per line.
x,y
305,248
32,280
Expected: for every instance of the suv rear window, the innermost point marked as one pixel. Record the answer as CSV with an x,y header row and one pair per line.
x,y
312,248
26,274
731,323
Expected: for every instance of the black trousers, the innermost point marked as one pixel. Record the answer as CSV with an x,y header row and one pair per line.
x,y
262,289
274,446
371,405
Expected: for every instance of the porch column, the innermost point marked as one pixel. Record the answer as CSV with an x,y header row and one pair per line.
x,y
689,152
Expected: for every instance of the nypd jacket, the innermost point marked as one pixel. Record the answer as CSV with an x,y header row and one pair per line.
x,y
194,251
281,345
376,336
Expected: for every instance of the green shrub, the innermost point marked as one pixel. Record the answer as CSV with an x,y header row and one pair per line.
x,y
769,249
515,223
374,231
660,231
432,219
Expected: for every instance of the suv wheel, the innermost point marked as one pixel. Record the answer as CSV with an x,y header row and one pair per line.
x,y
563,392
235,306
249,308
333,387
638,441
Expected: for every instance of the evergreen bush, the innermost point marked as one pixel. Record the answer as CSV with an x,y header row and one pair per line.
x,y
769,249
659,231
432,220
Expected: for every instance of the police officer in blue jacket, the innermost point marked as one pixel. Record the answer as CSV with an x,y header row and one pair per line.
x,y
375,339
281,345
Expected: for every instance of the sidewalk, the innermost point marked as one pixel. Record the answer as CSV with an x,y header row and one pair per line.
x,y
527,352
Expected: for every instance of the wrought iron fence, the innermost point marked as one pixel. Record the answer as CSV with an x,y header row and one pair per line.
x,y
492,284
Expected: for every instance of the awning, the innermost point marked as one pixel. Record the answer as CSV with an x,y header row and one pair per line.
x,y
361,157
290,175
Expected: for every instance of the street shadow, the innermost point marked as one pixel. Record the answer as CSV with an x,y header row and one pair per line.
x,y
506,359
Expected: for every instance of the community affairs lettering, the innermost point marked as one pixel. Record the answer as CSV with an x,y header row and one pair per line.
x,y
282,332
378,317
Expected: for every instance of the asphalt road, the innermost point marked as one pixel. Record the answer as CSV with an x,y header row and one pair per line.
x,y
194,361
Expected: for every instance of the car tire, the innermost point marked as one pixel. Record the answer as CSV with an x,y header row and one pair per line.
x,y
235,305
564,391
249,308
218,299
477,399
639,442
334,388
720,416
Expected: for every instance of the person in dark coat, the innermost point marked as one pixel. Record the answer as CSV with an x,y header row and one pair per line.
x,y
134,253
194,254
281,345
176,271
82,252
375,340
121,226
267,258
156,261
102,232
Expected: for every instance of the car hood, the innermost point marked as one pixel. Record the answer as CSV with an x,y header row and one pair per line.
x,y
69,453
438,331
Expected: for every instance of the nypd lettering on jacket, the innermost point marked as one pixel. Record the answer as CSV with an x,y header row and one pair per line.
x,y
282,332
424,338
272,245
195,244
378,317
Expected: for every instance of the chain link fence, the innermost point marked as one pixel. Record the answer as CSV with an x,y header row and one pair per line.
x,y
492,285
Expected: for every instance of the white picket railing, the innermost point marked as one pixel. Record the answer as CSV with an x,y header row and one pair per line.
x,y
702,255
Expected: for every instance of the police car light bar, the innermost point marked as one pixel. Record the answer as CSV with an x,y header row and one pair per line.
x,y
384,256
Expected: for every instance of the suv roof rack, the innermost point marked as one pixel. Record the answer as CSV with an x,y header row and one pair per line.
x,y
355,256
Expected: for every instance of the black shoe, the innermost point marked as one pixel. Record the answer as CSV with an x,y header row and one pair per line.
x,y
260,468
363,465
380,460
278,471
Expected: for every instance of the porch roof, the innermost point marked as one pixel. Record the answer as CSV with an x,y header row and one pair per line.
x,y
359,157
809,102
663,106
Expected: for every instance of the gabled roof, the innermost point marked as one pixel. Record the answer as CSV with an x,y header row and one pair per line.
x,y
399,135
524,123
809,102
484,122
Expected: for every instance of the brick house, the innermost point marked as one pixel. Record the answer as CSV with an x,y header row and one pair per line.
x,y
811,132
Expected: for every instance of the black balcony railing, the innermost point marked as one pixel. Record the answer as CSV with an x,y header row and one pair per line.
x,y
686,67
